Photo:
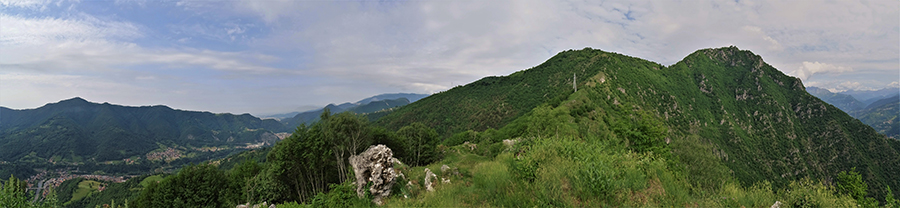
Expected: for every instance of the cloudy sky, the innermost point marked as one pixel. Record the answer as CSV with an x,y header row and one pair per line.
x,y
275,56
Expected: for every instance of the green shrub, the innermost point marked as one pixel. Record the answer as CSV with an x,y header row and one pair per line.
x,y
806,193
340,196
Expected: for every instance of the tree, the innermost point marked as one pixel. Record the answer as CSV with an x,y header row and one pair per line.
x,y
303,163
420,142
348,133
851,184
194,186
14,194
889,200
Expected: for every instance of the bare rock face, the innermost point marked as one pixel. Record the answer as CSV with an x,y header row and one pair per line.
x,y
776,205
429,176
375,165
510,142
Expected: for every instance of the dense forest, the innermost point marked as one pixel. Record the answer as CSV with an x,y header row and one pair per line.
x,y
721,128
78,132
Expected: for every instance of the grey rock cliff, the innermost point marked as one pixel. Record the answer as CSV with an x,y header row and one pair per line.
x,y
375,165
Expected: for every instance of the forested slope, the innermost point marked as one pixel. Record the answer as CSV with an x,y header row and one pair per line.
x,y
77,131
762,124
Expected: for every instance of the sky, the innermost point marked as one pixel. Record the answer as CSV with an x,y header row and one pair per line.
x,y
276,56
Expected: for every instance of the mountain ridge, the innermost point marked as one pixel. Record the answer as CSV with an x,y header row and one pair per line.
x,y
763,123
82,131
364,106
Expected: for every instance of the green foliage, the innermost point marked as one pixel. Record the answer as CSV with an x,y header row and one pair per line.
x,y
643,134
14,194
347,134
851,184
700,165
194,186
84,188
341,195
806,193
298,167
889,200
420,142
67,188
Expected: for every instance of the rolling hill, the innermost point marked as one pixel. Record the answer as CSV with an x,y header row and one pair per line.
x,y
77,131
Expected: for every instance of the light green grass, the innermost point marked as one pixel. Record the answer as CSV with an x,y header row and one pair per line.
x,y
85,188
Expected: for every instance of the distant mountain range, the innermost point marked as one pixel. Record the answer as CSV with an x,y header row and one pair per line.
x,y
78,132
868,97
365,106
879,109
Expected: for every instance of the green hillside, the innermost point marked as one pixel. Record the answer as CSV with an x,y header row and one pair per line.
x,y
762,124
76,131
379,105
493,102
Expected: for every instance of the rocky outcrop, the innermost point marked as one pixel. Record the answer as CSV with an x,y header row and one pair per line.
x,y
263,205
429,176
374,165
510,142
776,205
471,146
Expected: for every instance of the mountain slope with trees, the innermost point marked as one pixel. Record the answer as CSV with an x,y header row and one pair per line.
x,y
77,131
762,124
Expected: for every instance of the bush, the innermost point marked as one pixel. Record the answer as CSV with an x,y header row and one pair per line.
x,y
806,193
341,195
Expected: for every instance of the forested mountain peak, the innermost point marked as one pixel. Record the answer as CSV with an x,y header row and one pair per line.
x,y
71,102
763,122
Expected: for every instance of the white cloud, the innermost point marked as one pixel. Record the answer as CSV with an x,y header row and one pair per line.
x,y
87,43
844,86
807,69
893,85
100,55
775,46
439,42
35,31
24,3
